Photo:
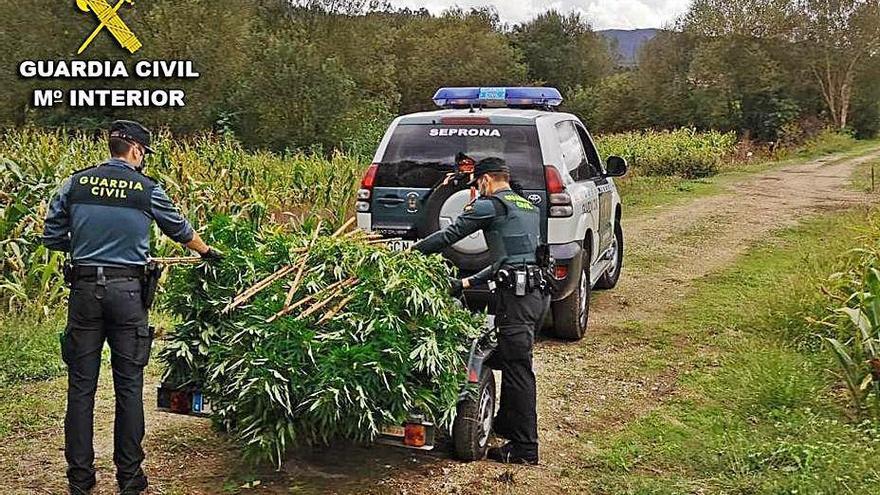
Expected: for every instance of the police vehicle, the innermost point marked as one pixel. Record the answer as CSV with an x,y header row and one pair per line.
x,y
554,163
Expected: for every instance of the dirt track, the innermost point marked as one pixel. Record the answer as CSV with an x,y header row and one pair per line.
x,y
584,388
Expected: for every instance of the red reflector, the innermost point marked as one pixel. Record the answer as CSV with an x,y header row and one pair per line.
x,y
414,435
560,272
370,176
553,179
472,376
181,402
465,121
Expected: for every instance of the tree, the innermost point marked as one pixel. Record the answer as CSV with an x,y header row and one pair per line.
x,y
458,48
563,50
836,36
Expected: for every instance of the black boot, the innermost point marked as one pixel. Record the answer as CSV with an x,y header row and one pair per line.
x,y
77,489
509,454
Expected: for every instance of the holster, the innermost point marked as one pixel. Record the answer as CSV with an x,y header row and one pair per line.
x,y
69,274
521,280
150,283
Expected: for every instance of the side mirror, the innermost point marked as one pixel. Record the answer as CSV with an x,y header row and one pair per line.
x,y
615,166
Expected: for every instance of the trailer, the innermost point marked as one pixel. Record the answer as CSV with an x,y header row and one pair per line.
x,y
469,435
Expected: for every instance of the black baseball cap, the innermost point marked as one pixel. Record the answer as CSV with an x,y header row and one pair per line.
x,y
132,132
487,165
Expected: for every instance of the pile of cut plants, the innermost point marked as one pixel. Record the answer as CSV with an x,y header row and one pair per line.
x,y
316,335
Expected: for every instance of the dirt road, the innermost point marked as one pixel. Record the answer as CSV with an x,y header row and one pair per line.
x,y
585,389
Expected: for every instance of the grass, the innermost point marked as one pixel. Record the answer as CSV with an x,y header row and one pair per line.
x,y
756,411
861,179
643,193
29,348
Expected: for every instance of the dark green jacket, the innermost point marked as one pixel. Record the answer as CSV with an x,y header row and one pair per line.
x,y
510,223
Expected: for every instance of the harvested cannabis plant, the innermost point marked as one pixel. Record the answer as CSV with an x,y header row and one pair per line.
x,y
306,337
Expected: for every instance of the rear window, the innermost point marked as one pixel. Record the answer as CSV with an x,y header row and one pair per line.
x,y
421,155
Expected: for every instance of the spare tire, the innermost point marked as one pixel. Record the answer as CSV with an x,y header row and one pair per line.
x,y
443,206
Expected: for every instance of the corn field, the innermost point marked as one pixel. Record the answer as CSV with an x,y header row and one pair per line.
x,y
682,152
214,175
205,175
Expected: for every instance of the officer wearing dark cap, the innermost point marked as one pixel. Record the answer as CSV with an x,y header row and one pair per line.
x,y
102,217
511,225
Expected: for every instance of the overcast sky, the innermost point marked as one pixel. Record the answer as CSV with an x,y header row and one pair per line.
x,y
603,14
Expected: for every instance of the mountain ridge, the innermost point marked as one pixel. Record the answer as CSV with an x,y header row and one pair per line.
x,y
629,41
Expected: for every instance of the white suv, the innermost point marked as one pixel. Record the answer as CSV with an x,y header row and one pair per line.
x,y
553,162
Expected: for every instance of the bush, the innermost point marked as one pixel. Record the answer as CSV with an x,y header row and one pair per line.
x,y
683,152
826,142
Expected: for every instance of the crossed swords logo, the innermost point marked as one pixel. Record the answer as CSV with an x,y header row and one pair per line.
x,y
111,20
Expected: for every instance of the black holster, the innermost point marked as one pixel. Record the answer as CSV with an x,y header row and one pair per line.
x,y
521,280
67,271
150,283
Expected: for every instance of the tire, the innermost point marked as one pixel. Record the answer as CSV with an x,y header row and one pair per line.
x,y
431,223
572,314
473,422
609,279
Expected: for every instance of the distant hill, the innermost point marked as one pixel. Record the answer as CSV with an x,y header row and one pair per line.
x,y
629,42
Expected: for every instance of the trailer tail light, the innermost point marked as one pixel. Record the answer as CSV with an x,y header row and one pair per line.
x,y
473,377
559,199
415,435
365,193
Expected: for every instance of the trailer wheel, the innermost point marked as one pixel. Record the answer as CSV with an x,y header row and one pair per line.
x,y
473,423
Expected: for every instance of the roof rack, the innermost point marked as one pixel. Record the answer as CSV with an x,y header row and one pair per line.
x,y
499,97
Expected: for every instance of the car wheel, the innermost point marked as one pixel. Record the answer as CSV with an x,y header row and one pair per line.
x,y
571,315
473,423
431,223
609,279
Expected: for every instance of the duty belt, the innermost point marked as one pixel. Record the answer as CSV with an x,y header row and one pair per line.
x,y
521,279
81,272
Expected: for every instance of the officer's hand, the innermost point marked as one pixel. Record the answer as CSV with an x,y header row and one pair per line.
x,y
212,255
456,287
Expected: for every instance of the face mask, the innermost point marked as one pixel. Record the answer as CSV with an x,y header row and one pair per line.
x,y
143,161
483,187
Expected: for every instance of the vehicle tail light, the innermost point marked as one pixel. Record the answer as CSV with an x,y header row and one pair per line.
x,y
560,200
366,191
560,272
415,435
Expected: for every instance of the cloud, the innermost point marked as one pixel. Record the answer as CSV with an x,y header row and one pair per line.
x,y
603,14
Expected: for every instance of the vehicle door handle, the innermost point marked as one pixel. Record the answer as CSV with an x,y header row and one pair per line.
x,y
391,201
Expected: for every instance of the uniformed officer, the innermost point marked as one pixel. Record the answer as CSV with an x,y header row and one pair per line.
x,y
102,217
511,225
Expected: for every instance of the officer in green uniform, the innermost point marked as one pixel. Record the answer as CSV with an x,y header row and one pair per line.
x,y
511,225
102,217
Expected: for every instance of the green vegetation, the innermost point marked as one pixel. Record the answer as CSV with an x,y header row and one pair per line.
x,y
855,342
683,153
29,348
757,410
205,175
302,74
374,336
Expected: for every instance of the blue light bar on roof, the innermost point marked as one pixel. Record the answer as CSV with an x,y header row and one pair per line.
x,y
497,97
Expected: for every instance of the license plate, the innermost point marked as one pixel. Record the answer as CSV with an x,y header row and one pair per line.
x,y
399,245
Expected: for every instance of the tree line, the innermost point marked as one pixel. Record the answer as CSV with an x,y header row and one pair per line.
x,y
332,73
